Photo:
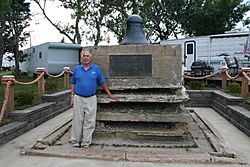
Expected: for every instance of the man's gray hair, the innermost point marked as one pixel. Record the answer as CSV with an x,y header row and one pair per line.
x,y
85,50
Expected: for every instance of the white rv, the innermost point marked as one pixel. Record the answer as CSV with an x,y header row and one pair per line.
x,y
6,62
212,48
53,56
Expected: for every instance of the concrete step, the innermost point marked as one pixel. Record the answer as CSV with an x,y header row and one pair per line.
x,y
145,98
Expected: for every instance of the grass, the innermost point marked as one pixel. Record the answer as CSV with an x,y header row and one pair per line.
x,y
6,121
246,103
57,85
54,85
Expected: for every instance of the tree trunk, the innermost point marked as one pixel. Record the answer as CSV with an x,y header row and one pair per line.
x,y
17,57
17,68
1,50
2,28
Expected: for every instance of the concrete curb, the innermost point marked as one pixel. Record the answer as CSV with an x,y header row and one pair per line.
x,y
27,119
226,105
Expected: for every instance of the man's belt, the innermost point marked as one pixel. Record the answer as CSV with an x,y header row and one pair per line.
x,y
84,96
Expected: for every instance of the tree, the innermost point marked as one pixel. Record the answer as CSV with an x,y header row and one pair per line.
x,y
88,20
165,18
91,18
16,19
4,5
116,14
205,17
74,31
162,18
94,18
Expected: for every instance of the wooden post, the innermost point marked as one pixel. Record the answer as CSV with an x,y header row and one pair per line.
x,y
10,104
66,77
224,81
41,83
244,87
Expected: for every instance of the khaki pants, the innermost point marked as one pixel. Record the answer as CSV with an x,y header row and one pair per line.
x,y
84,119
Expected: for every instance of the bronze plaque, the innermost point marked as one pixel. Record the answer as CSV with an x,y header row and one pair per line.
x,y
130,65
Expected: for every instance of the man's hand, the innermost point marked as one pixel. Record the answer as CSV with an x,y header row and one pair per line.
x,y
71,101
105,87
114,97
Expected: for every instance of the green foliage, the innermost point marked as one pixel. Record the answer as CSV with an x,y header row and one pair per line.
x,y
246,103
202,18
16,19
234,88
24,98
172,17
51,85
23,56
163,18
195,85
5,121
4,6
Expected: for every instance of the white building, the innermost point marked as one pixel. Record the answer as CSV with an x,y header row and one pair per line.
x,y
53,56
6,62
211,48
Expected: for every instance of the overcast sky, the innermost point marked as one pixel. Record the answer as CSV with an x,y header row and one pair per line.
x,y
42,31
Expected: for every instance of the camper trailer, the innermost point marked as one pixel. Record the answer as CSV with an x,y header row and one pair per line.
x,y
8,61
211,49
53,56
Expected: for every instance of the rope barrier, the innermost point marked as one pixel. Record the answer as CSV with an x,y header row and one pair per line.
x,y
235,77
221,71
31,82
38,78
14,81
245,75
59,75
69,71
5,102
243,72
55,76
204,77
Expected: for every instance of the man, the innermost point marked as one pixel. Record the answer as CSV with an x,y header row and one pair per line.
x,y
84,82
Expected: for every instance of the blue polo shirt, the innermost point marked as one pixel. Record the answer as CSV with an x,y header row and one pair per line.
x,y
87,81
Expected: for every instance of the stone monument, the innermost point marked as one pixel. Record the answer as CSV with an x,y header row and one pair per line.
x,y
147,77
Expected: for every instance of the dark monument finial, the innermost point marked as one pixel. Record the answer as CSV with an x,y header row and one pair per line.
x,y
134,33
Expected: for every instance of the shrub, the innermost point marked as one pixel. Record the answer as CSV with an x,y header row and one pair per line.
x,y
195,85
51,86
24,98
5,121
234,87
